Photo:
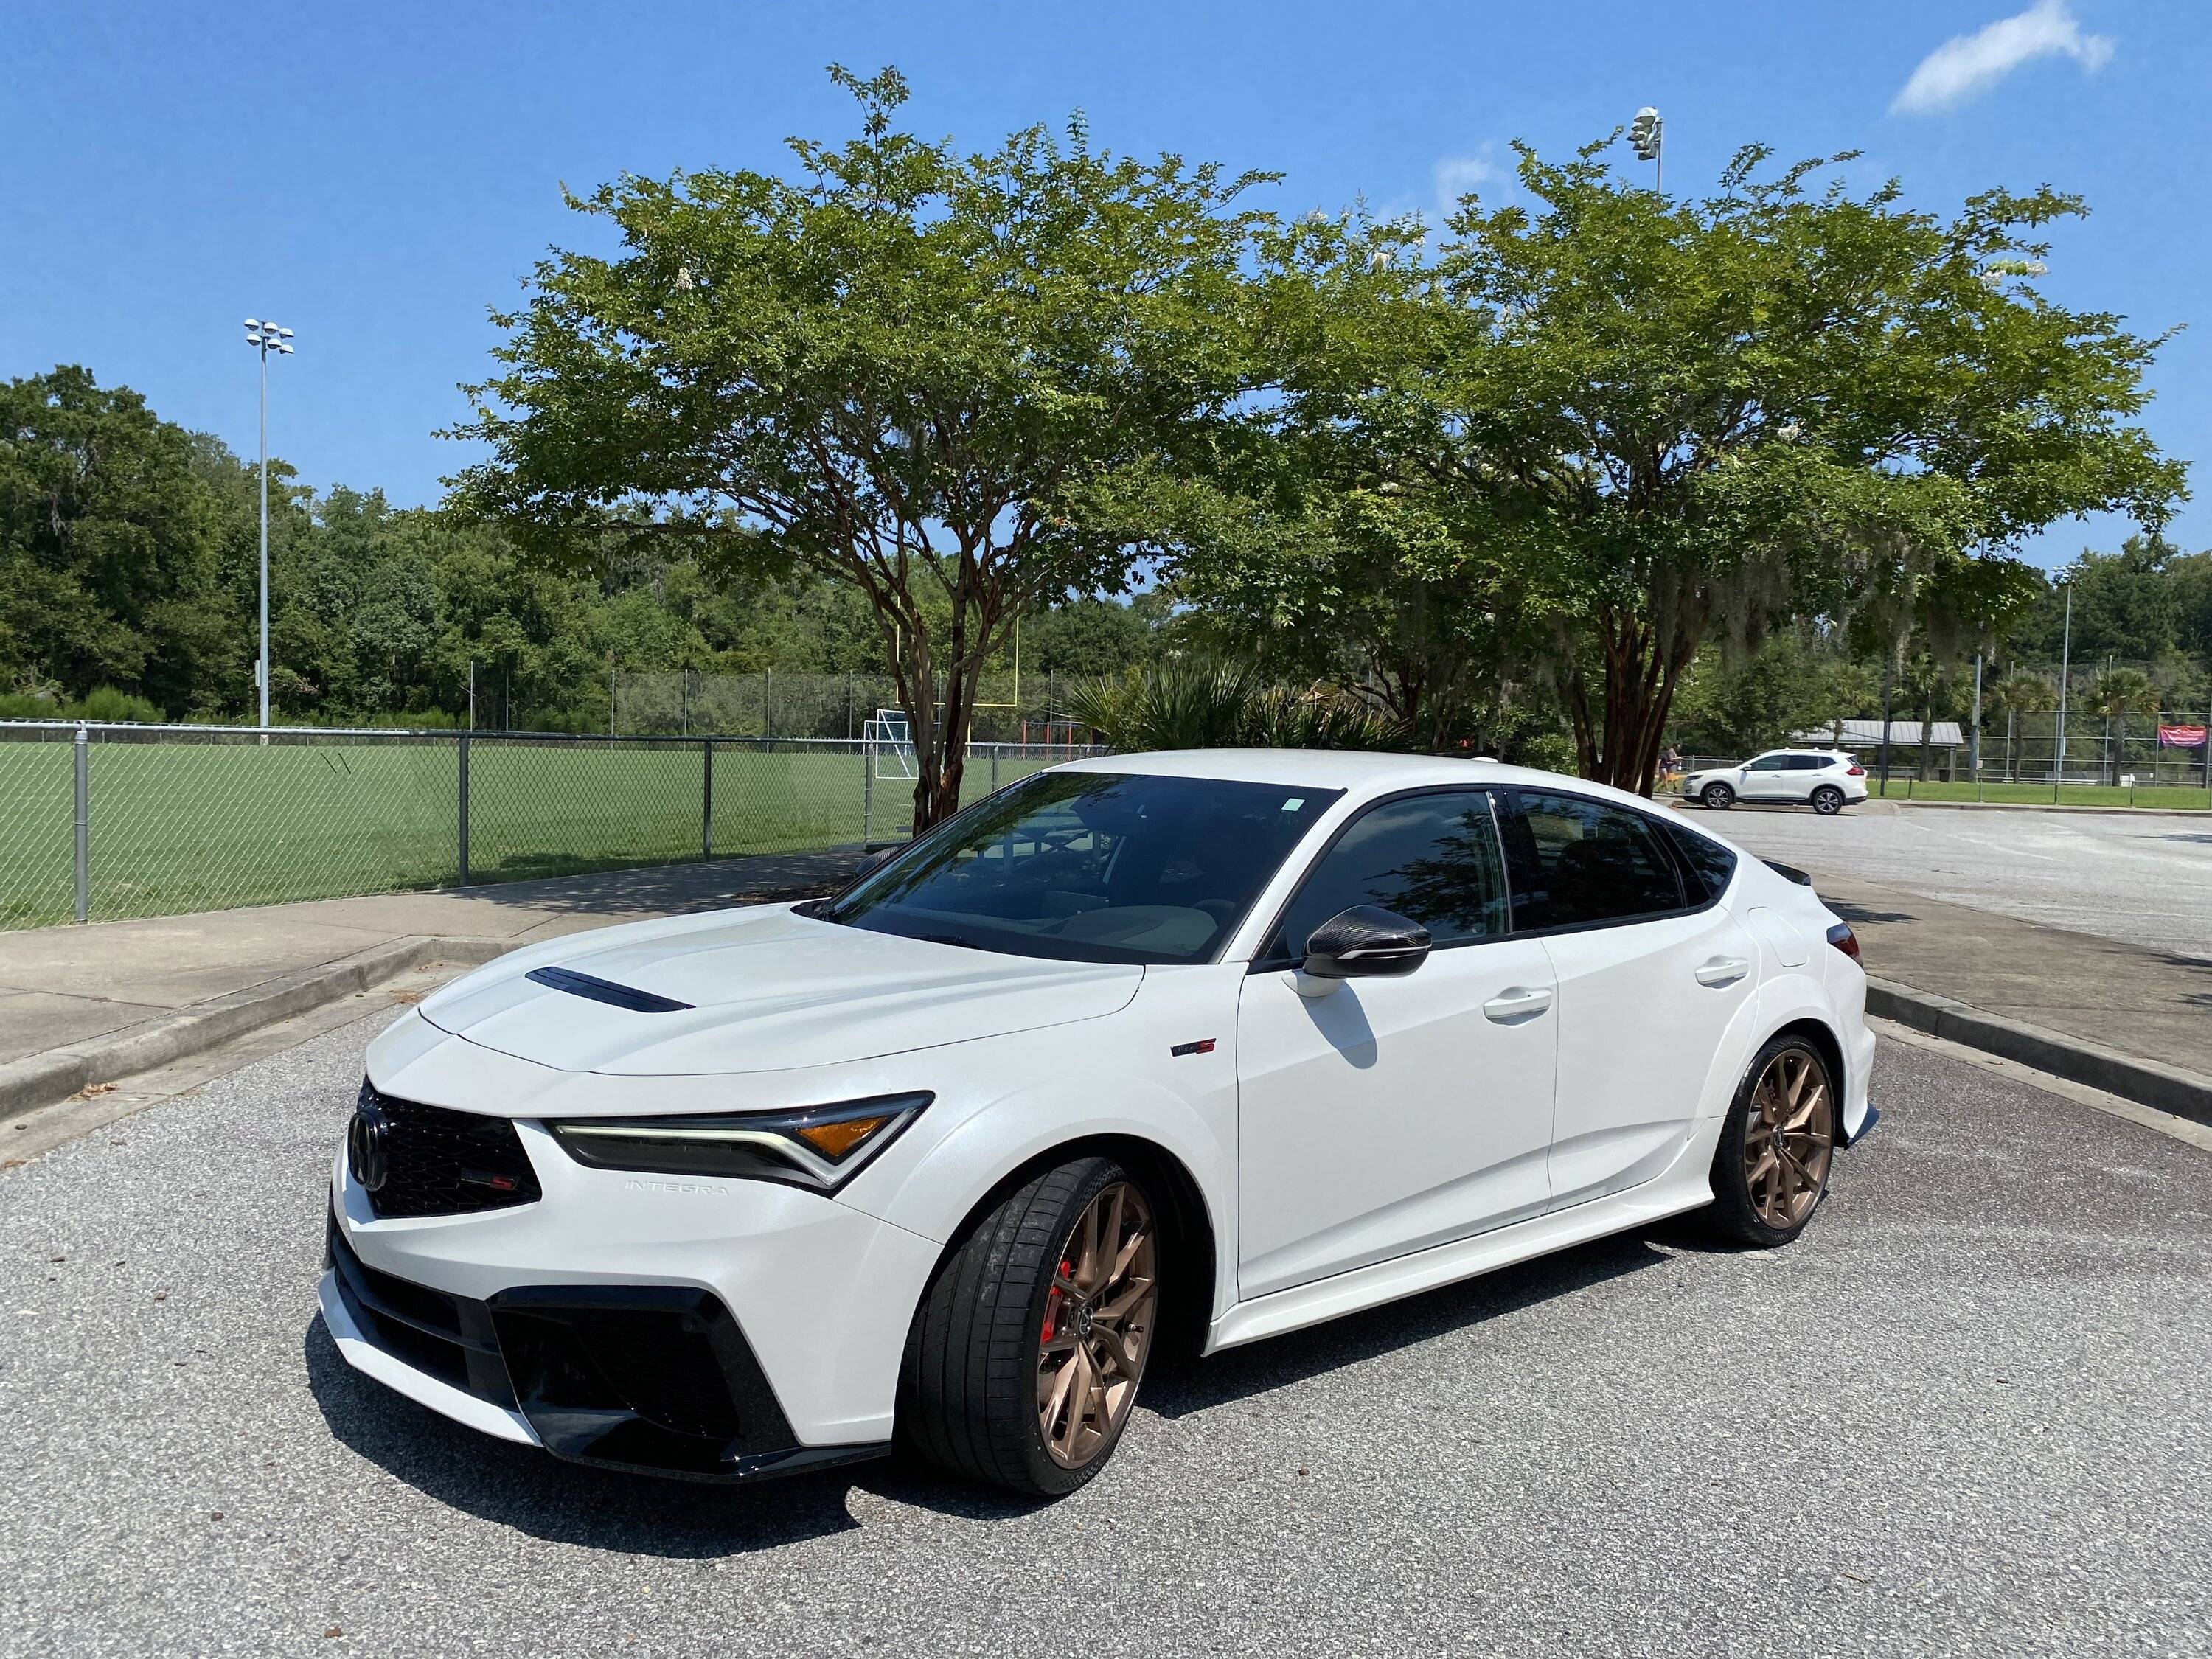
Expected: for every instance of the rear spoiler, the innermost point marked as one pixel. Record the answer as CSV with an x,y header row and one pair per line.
x,y
1789,872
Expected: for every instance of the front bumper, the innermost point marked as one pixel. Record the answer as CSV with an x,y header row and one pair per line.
x,y
709,1328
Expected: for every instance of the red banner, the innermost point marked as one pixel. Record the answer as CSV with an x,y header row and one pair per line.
x,y
2181,737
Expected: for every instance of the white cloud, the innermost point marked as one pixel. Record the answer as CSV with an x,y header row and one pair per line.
x,y
1968,65
1458,174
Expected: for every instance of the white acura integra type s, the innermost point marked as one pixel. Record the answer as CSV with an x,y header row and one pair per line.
x,y
1197,1047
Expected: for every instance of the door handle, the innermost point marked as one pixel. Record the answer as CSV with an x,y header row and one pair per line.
x,y
1517,1002
1722,970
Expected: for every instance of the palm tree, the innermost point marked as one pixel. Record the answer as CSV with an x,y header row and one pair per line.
x,y
2021,693
2120,692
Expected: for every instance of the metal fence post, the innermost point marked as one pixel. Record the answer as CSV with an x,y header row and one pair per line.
x,y
465,809
867,791
994,766
706,798
83,747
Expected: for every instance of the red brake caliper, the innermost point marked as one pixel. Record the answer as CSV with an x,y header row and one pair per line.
x,y
1052,1301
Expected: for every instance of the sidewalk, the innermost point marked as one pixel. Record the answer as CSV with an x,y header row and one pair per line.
x,y
87,1004
2132,1003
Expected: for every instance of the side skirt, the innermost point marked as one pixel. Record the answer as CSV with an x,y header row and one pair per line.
x,y
1445,1264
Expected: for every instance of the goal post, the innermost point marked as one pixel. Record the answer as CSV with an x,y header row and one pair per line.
x,y
891,746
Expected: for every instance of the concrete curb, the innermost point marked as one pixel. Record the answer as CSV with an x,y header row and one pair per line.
x,y
41,1079
2147,1082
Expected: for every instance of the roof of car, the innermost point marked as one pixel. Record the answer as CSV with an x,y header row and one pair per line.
x,y
1826,754
1362,775
1332,768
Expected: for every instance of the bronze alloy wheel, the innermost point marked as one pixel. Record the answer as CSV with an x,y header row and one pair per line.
x,y
1097,1330
1789,1138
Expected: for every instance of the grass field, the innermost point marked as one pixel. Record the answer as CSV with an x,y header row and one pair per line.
x,y
195,825
2040,794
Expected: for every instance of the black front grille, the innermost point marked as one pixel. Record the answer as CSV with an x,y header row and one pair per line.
x,y
437,1162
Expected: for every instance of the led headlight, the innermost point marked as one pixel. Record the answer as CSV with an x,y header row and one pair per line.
x,y
818,1147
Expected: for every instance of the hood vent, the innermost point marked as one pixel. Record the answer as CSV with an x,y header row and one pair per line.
x,y
606,990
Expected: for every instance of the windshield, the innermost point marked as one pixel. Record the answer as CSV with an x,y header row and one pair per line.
x,y
1091,867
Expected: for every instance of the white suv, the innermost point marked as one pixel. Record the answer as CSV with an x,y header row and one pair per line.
x,y
1826,780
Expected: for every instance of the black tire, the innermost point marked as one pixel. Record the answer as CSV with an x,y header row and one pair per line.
x,y
1735,1217
968,1385
1717,796
1828,801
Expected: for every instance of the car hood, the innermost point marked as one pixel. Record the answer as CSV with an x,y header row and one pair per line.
x,y
769,990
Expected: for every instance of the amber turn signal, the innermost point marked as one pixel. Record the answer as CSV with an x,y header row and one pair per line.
x,y
835,1140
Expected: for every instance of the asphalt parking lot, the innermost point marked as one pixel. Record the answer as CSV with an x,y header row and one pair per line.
x,y
1969,1413
2140,877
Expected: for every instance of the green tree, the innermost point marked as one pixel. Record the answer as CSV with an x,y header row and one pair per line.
x,y
1325,539
1701,417
112,539
2114,695
904,369
2127,605
1089,634
2191,575
1759,700
2020,692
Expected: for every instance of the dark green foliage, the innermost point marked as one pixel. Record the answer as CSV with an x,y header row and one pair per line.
x,y
1184,703
2134,603
904,369
128,556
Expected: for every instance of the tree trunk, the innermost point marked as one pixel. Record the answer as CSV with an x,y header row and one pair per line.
x,y
937,791
978,609
1641,673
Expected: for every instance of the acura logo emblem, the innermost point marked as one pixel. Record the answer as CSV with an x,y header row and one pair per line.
x,y
368,1143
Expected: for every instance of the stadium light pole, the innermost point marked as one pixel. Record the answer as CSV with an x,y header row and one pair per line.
x,y
265,337
1648,133
2065,674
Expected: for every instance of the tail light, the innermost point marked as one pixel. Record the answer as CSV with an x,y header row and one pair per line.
x,y
1844,940
1855,771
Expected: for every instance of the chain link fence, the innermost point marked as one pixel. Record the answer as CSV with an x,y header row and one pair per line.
x,y
2027,759
1008,709
103,822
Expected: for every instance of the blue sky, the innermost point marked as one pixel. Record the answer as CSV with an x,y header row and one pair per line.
x,y
377,176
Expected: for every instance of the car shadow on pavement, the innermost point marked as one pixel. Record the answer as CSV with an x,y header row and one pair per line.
x,y
522,1487
1280,1362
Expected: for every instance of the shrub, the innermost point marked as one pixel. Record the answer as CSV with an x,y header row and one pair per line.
x,y
1185,704
107,703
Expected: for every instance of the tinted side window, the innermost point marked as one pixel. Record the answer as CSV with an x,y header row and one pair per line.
x,y
1769,764
1434,859
1587,862
1806,762
1709,864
